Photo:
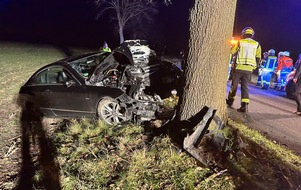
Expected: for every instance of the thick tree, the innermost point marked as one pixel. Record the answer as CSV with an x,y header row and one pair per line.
x,y
211,27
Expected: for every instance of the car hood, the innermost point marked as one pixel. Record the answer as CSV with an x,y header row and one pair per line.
x,y
137,51
130,52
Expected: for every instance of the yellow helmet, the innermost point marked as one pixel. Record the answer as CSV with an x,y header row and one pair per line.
x,y
248,30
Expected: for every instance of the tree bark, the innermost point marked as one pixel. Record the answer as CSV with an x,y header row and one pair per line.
x,y
211,28
121,36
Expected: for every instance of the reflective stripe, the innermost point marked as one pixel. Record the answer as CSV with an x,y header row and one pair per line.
x,y
247,52
244,67
271,61
245,100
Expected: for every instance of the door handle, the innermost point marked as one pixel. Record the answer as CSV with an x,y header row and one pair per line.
x,y
48,91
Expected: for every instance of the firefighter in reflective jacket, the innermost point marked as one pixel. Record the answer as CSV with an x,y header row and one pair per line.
x,y
248,58
105,48
285,65
266,69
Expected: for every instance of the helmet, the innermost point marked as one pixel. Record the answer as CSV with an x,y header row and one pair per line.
x,y
271,52
105,45
248,30
265,54
286,53
280,53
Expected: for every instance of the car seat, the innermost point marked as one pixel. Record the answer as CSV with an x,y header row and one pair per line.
x,y
62,77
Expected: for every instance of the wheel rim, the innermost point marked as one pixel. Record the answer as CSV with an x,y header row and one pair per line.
x,y
112,113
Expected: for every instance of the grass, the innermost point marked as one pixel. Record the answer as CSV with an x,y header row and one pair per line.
x,y
280,152
125,158
92,155
18,61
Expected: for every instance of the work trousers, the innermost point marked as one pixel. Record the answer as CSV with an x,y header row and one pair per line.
x,y
298,97
242,77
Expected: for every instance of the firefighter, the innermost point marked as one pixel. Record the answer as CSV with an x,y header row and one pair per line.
x,y
274,80
248,58
285,65
267,61
104,51
105,47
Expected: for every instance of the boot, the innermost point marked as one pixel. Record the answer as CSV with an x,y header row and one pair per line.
x,y
243,107
229,102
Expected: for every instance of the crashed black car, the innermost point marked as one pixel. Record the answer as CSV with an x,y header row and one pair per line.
x,y
127,84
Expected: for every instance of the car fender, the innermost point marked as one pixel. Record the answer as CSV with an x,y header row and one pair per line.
x,y
97,93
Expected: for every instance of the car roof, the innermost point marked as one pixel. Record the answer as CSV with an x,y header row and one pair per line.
x,y
76,57
129,48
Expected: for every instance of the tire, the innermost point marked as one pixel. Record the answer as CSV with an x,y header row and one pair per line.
x,y
289,89
110,111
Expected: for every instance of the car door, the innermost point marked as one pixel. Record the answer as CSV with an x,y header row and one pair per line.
x,y
66,96
33,97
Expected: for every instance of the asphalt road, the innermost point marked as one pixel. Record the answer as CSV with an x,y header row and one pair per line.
x,y
270,112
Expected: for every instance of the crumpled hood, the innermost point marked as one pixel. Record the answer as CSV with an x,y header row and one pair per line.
x,y
137,51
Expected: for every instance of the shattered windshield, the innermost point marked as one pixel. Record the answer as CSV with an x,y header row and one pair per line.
x,y
86,66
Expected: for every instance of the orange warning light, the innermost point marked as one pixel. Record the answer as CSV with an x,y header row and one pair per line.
x,y
233,41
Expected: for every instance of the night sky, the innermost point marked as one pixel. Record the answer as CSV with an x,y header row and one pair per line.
x,y
277,23
72,23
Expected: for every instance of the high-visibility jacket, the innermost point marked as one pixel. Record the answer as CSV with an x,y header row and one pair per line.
x,y
270,62
247,51
106,49
284,63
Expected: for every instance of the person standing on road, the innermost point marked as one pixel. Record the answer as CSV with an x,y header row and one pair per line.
x,y
285,65
268,60
297,81
298,61
274,79
248,58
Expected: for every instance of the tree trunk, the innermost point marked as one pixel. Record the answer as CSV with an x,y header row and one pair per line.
x,y
121,36
211,28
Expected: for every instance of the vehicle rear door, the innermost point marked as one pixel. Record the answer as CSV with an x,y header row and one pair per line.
x,y
66,96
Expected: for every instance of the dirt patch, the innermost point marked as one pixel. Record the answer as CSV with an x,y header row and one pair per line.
x,y
251,165
10,143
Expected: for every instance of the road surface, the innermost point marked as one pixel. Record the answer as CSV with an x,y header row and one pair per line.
x,y
270,112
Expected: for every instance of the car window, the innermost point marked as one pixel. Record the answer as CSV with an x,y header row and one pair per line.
x,y
51,75
86,65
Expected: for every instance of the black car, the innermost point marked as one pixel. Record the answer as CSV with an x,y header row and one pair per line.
x,y
127,84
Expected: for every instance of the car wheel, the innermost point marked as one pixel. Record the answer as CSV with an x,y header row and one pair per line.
x,y
289,89
111,112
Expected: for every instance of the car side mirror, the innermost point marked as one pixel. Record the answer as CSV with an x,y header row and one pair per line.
x,y
70,83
